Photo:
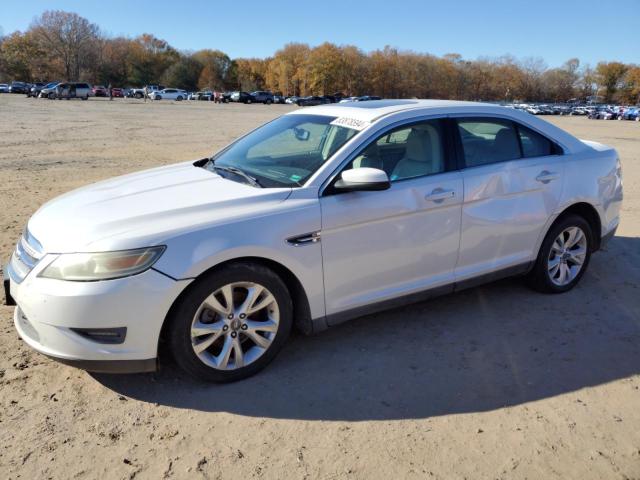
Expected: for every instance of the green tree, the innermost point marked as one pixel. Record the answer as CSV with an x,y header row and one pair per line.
x,y
184,74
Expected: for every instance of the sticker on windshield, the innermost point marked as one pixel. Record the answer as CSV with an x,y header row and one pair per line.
x,y
350,123
295,178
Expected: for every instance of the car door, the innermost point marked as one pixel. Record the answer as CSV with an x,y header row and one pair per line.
x,y
381,245
512,185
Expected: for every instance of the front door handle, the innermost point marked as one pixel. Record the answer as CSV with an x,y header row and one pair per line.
x,y
546,176
439,195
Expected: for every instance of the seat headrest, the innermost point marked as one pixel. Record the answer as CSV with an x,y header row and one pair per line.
x,y
506,144
418,146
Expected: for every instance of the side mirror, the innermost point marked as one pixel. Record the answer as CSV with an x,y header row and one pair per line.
x,y
362,180
301,134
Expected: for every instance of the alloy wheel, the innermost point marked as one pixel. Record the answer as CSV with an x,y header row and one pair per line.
x,y
568,254
235,325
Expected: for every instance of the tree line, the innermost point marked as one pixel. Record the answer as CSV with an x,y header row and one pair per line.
x,y
65,46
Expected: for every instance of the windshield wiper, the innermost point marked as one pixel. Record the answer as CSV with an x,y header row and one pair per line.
x,y
236,171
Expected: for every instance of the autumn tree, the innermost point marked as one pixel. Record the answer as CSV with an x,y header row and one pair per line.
x,y
287,71
148,59
21,57
215,69
67,36
609,77
630,92
251,73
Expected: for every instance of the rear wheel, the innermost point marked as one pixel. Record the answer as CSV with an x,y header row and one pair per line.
x,y
138,95
564,256
231,323
179,99
157,97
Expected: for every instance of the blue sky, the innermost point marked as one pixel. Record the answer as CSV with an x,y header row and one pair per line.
x,y
553,30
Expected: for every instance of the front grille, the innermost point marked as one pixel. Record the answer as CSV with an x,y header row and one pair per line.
x,y
27,254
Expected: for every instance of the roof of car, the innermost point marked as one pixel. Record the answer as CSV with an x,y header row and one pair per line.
x,y
371,110
374,110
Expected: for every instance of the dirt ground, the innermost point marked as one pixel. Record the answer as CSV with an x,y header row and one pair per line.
x,y
495,382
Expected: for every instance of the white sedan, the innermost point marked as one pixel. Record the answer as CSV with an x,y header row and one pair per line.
x,y
169,94
319,216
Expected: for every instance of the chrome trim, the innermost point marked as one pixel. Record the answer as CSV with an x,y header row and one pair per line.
x,y
27,254
304,239
35,247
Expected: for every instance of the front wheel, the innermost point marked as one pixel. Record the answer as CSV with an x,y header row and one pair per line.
x,y
564,256
231,323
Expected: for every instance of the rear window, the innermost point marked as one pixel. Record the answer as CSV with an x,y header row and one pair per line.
x,y
534,144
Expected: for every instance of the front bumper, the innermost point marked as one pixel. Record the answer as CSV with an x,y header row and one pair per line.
x,y
52,314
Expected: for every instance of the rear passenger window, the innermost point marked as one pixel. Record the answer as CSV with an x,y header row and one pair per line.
x,y
486,141
534,144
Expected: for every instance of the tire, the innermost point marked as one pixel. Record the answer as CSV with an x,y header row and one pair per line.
x,y
268,102
249,101
138,95
191,309
86,97
179,99
543,277
51,96
157,97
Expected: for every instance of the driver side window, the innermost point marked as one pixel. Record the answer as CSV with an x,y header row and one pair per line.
x,y
405,152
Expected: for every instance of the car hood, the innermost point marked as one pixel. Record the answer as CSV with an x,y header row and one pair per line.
x,y
145,208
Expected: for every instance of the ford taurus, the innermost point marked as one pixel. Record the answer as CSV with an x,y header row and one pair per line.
x,y
316,217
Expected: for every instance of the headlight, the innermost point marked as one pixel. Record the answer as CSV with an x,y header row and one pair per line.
x,y
88,267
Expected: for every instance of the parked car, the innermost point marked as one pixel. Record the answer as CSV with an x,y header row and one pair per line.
x,y
348,99
632,113
311,101
261,96
117,92
35,89
69,90
18,87
367,98
4,88
203,95
241,97
293,99
49,90
317,217
602,114
168,94
139,92
100,91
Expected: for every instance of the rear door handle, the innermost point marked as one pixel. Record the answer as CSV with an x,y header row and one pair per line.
x,y
546,176
439,195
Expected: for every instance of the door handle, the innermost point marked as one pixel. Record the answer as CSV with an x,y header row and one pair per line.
x,y
439,195
546,176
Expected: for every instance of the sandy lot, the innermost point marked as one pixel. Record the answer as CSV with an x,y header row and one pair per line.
x,y
496,382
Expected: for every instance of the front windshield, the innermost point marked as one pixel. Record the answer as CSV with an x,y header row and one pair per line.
x,y
284,152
